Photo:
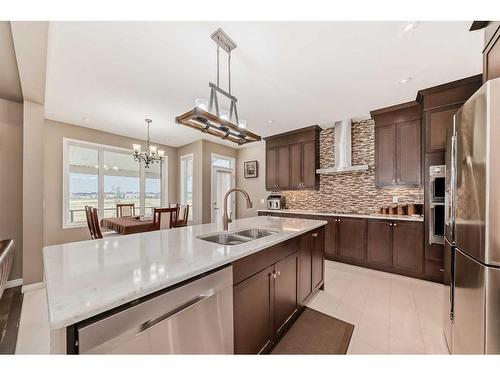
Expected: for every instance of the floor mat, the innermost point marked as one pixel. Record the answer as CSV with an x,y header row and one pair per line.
x,y
316,333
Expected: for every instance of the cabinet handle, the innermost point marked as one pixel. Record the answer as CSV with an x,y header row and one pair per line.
x,y
315,235
395,224
273,275
390,224
278,273
393,181
441,270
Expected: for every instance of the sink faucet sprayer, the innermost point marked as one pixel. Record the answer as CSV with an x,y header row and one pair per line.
x,y
225,219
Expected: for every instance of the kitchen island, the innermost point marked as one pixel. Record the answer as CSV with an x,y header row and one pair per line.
x,y
90,278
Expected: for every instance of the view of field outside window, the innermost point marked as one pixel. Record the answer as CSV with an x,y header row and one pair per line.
x,y
83,181
121,183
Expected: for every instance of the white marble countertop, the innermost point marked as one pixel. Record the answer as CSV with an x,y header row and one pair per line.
x,y
368,216
86,278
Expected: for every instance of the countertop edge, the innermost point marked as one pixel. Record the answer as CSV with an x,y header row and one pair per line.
x,y
55,324
366,216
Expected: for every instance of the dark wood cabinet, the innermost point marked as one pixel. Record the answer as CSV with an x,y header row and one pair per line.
x,y
407,246
305,269
318,259
397,145
271,287
436,122
253,312
295,156
408,160
277,168
491,53
352,239
379,243
285,291
330,236
385,155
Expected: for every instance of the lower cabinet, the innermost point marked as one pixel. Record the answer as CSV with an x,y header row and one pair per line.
x,y
379,243
352,239
265,300
408,246
285,291
253,312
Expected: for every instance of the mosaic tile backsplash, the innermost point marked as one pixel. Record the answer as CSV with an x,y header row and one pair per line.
x,y
351,191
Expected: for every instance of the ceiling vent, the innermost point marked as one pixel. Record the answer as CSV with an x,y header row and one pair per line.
x,y
343,152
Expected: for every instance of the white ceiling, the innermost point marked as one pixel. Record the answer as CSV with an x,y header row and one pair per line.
x,y
10,86
296,73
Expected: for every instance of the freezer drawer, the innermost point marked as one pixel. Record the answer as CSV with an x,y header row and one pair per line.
x,y
469,306
195,318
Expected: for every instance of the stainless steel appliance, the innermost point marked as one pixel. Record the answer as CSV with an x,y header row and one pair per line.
x,y
437,174
473,225
276,202
194,318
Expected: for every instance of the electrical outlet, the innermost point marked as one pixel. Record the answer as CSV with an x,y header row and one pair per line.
x,y
395,199
262,201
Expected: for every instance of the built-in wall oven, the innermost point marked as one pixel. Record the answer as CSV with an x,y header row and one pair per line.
x,y
437,187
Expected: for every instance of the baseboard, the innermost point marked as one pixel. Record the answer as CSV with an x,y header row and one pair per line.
x,y
13,283
32,287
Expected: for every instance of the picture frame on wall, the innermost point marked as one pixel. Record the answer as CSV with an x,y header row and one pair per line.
x,y
251,169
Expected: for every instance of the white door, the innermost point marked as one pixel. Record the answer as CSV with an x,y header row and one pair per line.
x,y
222,181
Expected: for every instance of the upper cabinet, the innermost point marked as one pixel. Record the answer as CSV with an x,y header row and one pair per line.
x,y
491,53
397,145
439,104
292,159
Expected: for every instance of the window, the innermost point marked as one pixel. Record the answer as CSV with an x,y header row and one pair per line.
x,y
102,176
187,182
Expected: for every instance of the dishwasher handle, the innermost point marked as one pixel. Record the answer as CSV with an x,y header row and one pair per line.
x,y
146,326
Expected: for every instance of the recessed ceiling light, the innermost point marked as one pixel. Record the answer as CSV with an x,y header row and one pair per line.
x,y
405,80
410,26
85,119
270,121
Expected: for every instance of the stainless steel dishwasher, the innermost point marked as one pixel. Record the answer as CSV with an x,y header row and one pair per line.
x,y
195,318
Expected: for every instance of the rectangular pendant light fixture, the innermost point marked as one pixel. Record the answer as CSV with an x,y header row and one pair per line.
x,y
205,120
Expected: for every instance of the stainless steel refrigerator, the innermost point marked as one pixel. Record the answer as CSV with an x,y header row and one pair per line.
x,y
472,225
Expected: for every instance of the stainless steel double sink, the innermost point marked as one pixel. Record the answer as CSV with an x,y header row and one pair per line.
x,y
237,238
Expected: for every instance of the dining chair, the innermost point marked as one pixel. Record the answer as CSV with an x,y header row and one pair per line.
x,y
90,221
165,218
182,215
125,209
94,226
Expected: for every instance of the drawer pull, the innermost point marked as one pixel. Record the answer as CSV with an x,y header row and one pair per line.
x,y
315,234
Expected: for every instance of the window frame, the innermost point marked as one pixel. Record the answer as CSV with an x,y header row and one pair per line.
x,y
101,148
182,183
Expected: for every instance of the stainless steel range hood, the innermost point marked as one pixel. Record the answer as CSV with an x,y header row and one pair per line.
x,y
343,162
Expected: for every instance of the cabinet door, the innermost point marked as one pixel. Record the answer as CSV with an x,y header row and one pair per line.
x,y
305,268
295,165
253,314
352,239
283,167
330,237
379,243
436,122
309,164
408,153
285,291
271,168
318,258
408,246
385,155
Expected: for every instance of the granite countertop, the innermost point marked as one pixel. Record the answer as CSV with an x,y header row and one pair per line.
x,y
331,213
86,278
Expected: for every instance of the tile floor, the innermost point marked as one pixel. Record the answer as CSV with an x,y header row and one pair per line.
x,y
392,314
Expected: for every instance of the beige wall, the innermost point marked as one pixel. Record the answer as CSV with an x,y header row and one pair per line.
x,y
53,175
11,177
33,177
256,187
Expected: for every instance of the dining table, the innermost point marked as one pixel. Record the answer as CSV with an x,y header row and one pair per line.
x,y
129,225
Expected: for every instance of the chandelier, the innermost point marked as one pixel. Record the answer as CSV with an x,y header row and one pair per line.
x,y
207,117
151,155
